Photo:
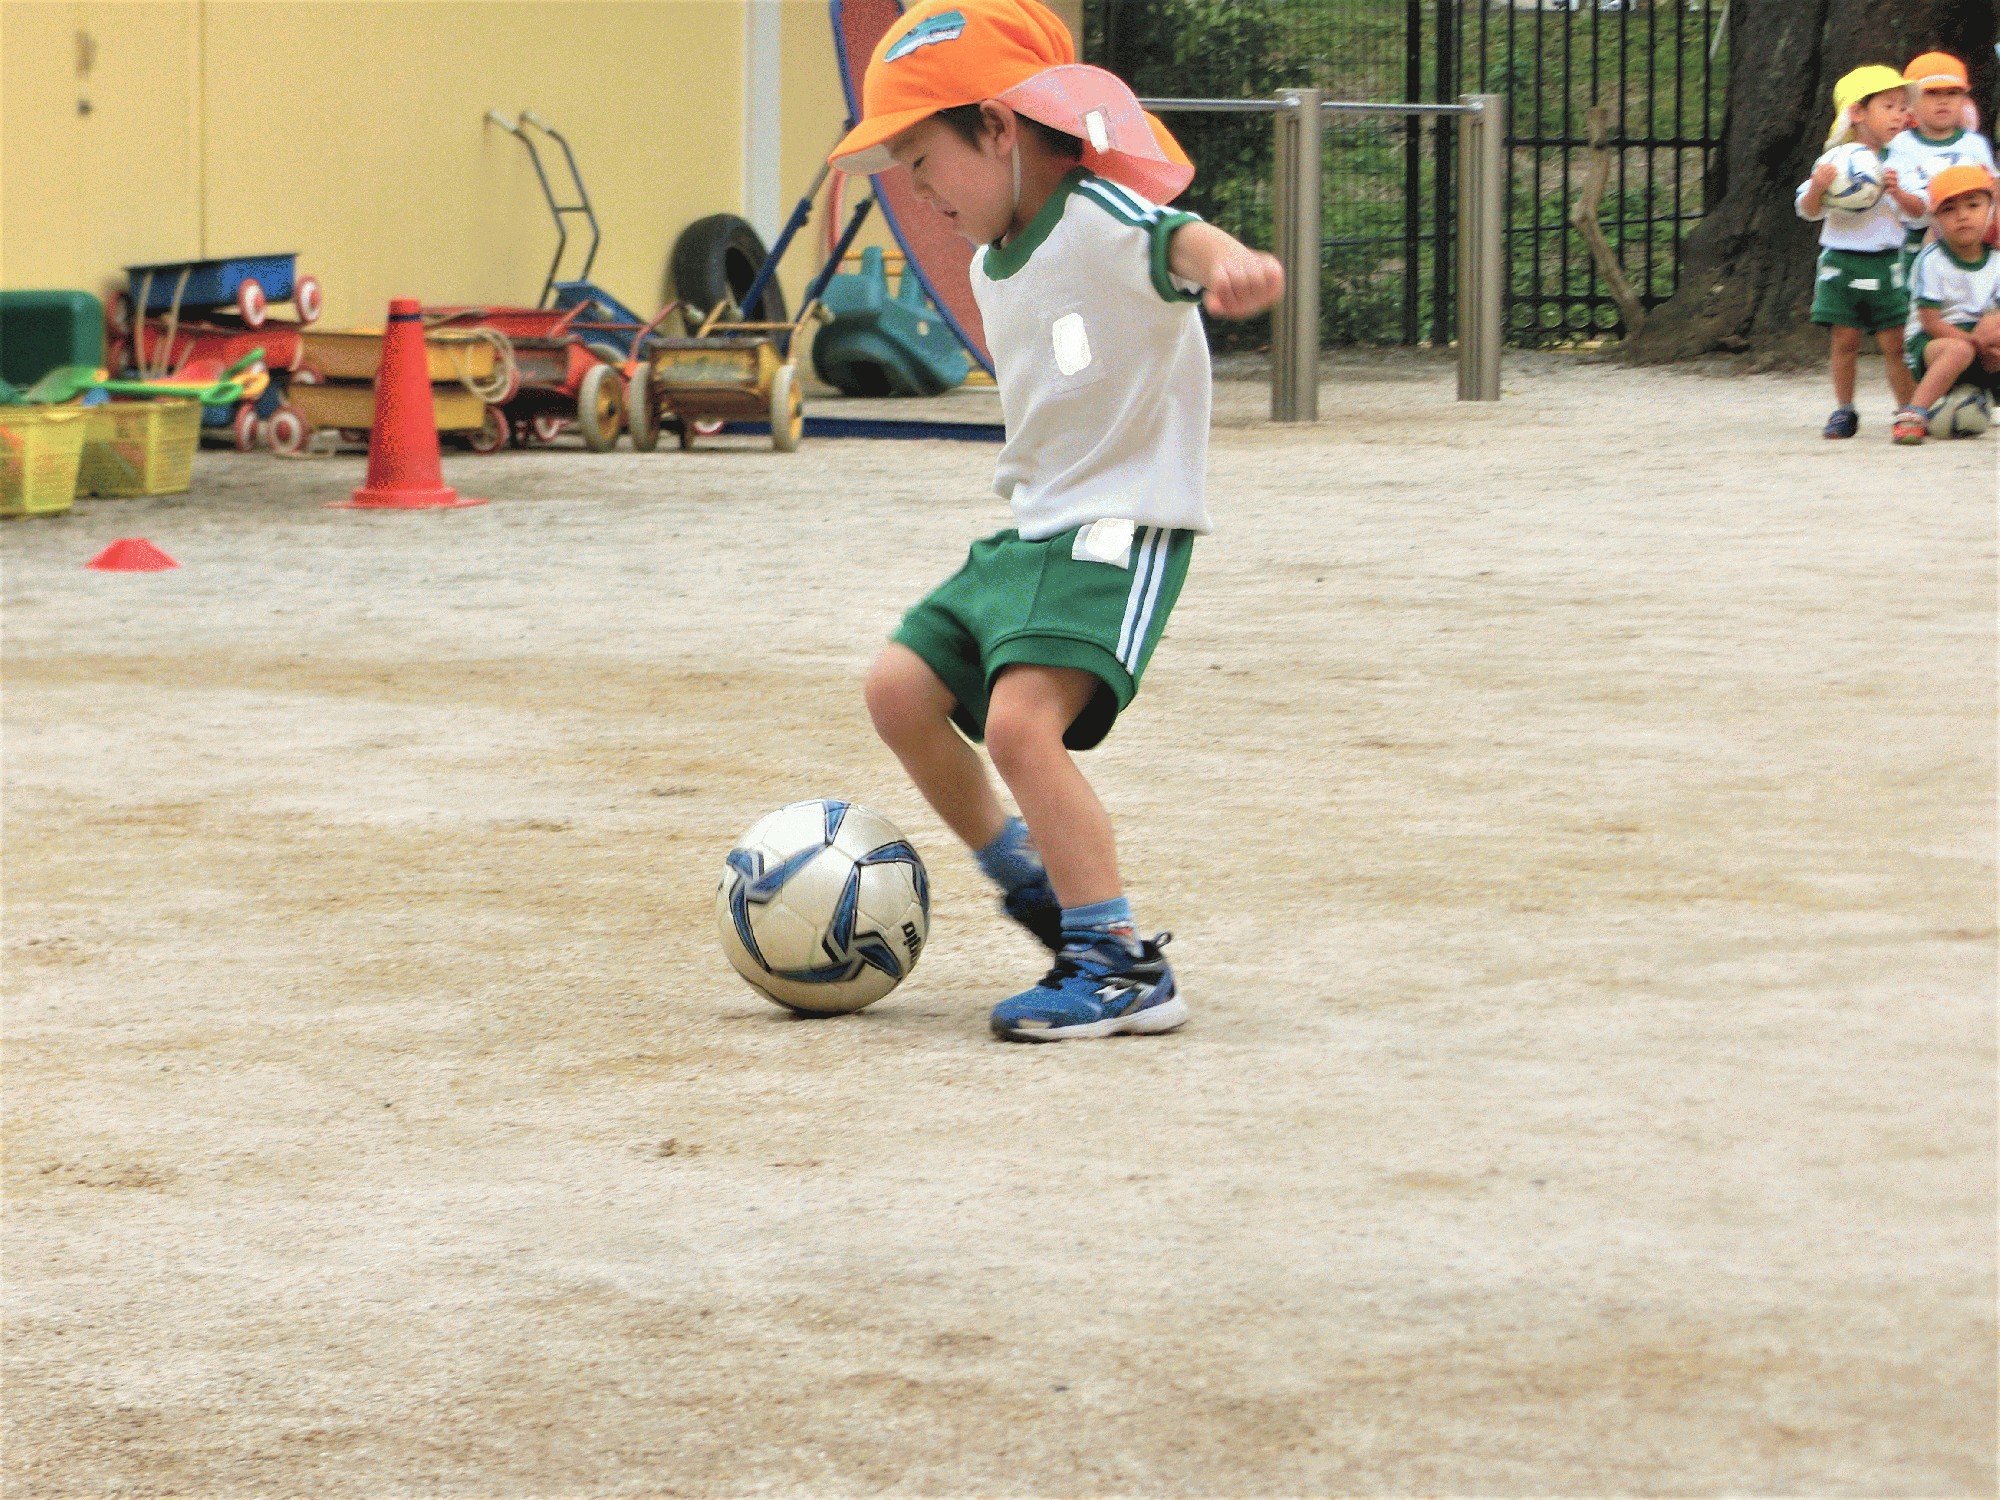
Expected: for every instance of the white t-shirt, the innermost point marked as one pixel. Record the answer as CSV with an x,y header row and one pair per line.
x,y
1958,291
1918,158
1101,362
1880,226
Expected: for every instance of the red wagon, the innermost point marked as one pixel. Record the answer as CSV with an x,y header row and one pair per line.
x,y
570,368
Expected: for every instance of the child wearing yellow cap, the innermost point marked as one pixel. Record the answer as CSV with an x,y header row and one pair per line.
x,y
1087,287
1860,287
1953,335
1941,134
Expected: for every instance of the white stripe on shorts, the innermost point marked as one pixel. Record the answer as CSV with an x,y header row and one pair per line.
x,y
1139,602
1131,658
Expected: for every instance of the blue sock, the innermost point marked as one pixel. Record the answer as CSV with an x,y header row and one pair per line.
x,y
1010,861
1099,922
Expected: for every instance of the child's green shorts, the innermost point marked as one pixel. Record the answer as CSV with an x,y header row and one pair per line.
x,y
1862,289
1095,598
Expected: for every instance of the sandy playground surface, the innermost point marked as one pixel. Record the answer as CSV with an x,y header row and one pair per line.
x,y
1577,820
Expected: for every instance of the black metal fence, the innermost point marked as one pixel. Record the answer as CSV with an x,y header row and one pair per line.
x,y
1657,67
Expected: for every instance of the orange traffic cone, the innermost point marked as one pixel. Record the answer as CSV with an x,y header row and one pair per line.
x,y
403,468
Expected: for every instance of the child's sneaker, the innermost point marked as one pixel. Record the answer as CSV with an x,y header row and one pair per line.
x,y
1844,423
1912,426
1035,907
1100,990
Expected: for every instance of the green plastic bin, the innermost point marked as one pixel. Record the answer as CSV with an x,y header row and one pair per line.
x,y
40,331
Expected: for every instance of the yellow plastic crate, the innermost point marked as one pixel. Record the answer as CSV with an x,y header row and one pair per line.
x,y
39,449
139,448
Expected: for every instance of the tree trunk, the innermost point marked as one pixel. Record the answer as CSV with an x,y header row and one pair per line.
x,y
1747,269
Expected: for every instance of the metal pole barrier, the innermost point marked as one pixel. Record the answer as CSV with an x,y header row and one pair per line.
x,y
1482,246
1297,231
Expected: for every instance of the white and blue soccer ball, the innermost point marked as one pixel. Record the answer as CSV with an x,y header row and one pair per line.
x,y
1857,177
823,906
1965,411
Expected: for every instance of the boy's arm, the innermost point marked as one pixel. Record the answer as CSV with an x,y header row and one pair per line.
x,y
1930,316
1240,282
1916,211
1811,197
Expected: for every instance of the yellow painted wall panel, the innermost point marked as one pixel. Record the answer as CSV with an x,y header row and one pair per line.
x,y
380,167
83,193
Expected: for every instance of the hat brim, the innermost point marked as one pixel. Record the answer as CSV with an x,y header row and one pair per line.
x,y
864,150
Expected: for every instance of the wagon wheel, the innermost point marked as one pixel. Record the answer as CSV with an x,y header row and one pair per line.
x,y
708,426
243,430
289,432
545,426
598,401
306,297
492,434
788,417
640,419
250,303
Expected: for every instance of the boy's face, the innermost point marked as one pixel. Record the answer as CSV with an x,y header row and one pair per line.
x,y
1961,221
1880,118
1939,111
972,185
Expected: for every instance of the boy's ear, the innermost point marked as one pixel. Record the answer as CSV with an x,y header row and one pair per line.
x,y
1000,120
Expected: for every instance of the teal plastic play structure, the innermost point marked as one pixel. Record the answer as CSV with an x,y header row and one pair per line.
x,y
879,345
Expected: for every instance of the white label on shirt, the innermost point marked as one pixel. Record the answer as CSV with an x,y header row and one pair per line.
x,y
1072,342
1106,541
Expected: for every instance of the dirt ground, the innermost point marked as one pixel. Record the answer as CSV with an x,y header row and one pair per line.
x,y
1576,817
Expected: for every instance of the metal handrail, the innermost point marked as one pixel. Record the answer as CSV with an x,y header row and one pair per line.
x,y
1298,241
1326,107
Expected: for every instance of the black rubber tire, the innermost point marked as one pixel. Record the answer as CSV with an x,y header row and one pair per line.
x,y
719,257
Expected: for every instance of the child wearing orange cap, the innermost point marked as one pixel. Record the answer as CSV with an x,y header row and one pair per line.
x,y
1860,288
1087,287
1954,329
1941,135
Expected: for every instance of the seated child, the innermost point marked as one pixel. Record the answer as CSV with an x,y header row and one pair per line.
x,y
1860,288
1953,334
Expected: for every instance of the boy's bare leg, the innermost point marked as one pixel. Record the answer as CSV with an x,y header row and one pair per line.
x,y
1031,708
911,708
1944,361
1901,381
1846,351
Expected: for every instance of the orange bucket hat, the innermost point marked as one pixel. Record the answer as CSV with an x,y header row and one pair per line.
x,y
1953,181
945,53
1937,70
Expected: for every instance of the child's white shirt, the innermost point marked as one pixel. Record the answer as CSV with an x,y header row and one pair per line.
x,y
1102,365
1880,226
1957,291
1917,158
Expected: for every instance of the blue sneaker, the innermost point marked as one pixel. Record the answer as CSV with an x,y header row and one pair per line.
x,y
1035,907
1100,990
1844,423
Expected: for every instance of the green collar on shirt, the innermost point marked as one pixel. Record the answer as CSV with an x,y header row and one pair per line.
x,y
1938,140
1003,260
1985,255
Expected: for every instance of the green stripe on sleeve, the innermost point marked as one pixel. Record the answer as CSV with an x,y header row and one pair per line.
x,y
1162,234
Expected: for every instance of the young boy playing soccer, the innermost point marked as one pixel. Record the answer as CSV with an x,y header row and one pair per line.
x,y
1860,288
1954,328
1087,287
1939,136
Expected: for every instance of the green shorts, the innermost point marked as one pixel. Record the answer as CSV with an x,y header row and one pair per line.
x,y
1913,356
1095,598
1862,289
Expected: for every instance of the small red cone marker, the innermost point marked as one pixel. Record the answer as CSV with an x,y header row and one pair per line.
x,y
131,554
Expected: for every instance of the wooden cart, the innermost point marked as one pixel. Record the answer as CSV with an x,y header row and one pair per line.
x,y
733,371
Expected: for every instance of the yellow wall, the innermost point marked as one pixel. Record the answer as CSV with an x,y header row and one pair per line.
x,y
353,132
